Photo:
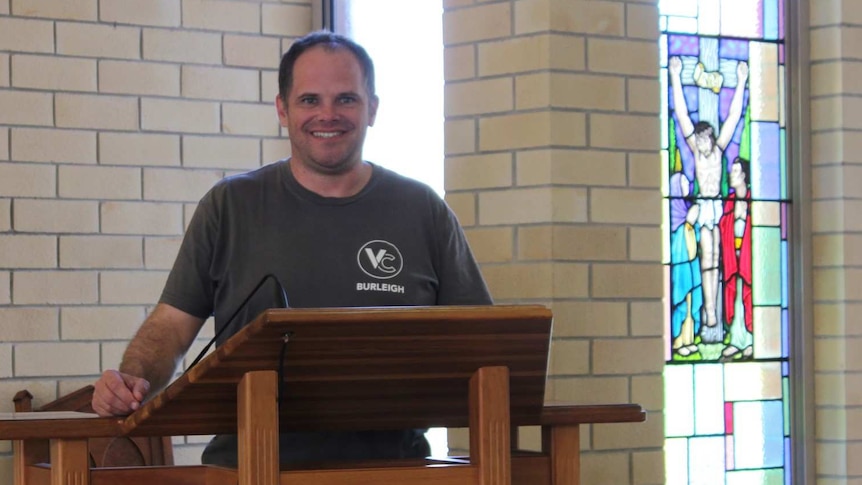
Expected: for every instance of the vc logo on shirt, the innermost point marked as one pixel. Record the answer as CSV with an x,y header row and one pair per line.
x,y
380,259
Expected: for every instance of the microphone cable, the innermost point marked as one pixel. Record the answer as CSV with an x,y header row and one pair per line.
x,y
283,296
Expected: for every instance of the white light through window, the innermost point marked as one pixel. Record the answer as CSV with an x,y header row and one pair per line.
x,y
405,40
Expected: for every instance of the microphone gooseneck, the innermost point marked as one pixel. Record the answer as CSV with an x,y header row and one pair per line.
x,y
282,296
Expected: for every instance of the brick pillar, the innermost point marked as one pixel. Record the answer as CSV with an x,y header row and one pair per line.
x,y
552,138
836,174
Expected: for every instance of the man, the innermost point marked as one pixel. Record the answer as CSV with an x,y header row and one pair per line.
x,y
338,231
708,152
735,227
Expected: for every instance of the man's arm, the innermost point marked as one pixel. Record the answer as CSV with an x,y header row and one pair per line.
x,y
149,362
734,112
679,105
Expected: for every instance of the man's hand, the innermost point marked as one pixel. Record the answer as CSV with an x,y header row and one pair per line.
x,y
118,394
742,72
675,66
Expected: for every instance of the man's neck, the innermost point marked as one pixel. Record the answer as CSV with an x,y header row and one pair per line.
x,y
340,185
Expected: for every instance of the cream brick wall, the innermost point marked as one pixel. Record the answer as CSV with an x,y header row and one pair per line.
x,y
70,9
250,51
100,251
552,165
835,33
26,108
96,111
129,77
198,47
180,116
53,73
139,149
53,145
162,13
23,324
115,117
101,41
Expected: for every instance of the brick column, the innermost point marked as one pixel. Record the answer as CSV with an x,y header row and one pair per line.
x,y
836,174
552,138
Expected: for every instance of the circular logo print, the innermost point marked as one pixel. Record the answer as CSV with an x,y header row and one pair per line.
x,y
380,259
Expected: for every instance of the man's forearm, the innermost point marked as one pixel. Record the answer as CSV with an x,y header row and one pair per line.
x,y
735,109
156,350
734,114
679,106
153,357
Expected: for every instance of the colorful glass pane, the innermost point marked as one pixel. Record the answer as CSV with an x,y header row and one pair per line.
x,y
759,434
751,381
783,157
767,339
766,265
770,19
724,161
766,214
765,158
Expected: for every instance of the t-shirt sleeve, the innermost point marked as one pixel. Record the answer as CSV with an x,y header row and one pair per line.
x,y
189,286
460,281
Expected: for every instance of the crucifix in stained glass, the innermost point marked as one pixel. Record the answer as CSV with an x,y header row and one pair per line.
x,y
726,249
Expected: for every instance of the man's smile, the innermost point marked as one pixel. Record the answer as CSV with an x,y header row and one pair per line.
x,y
326,134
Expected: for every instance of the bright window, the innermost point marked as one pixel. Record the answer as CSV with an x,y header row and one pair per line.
x,y
406,44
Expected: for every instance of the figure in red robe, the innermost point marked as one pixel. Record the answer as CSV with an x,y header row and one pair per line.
x,y
735,231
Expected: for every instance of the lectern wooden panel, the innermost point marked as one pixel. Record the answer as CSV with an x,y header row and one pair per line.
x,y
362,368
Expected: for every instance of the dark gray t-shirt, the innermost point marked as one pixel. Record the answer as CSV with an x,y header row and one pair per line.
x,y
394,243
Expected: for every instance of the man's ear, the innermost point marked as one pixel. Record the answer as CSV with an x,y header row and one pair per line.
x,y
372,109
281,109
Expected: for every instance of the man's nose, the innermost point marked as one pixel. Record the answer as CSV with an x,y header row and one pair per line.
x,y
328,111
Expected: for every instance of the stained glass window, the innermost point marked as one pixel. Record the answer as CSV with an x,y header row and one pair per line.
x,y
726,243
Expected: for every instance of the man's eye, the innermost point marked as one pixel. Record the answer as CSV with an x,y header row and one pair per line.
x,y
347,99
308,100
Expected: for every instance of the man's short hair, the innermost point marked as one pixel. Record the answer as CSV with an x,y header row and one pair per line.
x,y
702,127
329,41
745,167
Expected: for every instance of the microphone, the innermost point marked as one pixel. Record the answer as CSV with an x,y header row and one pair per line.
x,y
276,299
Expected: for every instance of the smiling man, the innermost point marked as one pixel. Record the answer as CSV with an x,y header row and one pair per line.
x,y
332,229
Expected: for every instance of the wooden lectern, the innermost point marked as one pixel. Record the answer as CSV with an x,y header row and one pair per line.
x,y
347,369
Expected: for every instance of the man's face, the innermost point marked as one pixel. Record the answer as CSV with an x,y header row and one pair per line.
x,y
703,141
737,176
327,110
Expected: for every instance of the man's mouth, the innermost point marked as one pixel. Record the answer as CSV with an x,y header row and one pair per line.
x,y
325,134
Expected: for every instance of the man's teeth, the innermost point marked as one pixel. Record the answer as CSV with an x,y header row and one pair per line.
x,y
325,134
